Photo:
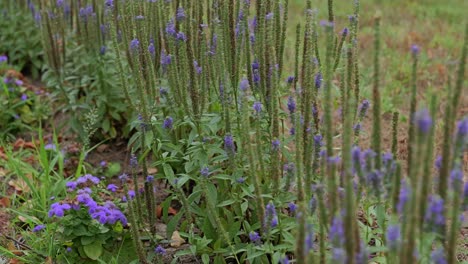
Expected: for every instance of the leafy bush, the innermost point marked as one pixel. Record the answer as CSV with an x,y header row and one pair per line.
x,y
19,38
21,108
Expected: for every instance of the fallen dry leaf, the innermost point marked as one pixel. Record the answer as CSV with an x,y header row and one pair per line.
x,y
170,211
176,240
3,172
5,202
19,185
20,143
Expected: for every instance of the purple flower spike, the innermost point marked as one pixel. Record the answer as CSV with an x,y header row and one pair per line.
x,y
112,187
3,58
168,122
275,145
291,105
415,49
318,80
254,237
257,106
423,121
38,228
134,44
393,236
180,15
205,172
290,79
160,250
292,207
438,256
244,84
229,144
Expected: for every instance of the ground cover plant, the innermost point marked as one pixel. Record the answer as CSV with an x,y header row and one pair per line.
x,y
249,140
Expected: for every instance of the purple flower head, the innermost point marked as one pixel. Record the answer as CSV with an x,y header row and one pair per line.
x,y
309,240
198,68
151,49
38,228
269,16
139,17
229,144
338,256
363,108
438,162
123,177
109,3
462,127
255,65
327,24
244,84
403,197
240,180
292,207
290,79
134,45
318,140
423,121
19,83
131,194
3,58
103,163
160,250
205,171
69,249
257,106
393,237
165,59
112,187
285,260
456,179
275,144
58,209
181,36
168,122
24,97
438,256
337,232
415,49
344,33
150,178
434,216
71,186
351,18
271,217
254,237
163,92
312,205
318,80
170,28
292,131
133,160
102,50
291,105
180,15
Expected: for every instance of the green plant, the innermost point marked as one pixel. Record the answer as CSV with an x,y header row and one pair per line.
x,y
20,38
21,108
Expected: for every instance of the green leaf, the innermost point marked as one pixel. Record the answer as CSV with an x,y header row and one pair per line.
x,y
205,259
94,250
86,240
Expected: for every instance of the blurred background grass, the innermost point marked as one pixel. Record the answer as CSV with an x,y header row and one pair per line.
x,y
436,26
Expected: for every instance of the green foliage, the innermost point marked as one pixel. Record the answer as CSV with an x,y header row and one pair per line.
x,y
21,109
20,38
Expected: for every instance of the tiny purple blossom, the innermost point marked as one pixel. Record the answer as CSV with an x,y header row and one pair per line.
x,y
134,44
205,171
254,237
415,49
112,187
3,58
244,84
269,16
180,15
168,123
423,121
257,106
160,250
38,228
318,80
291,105
24,97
